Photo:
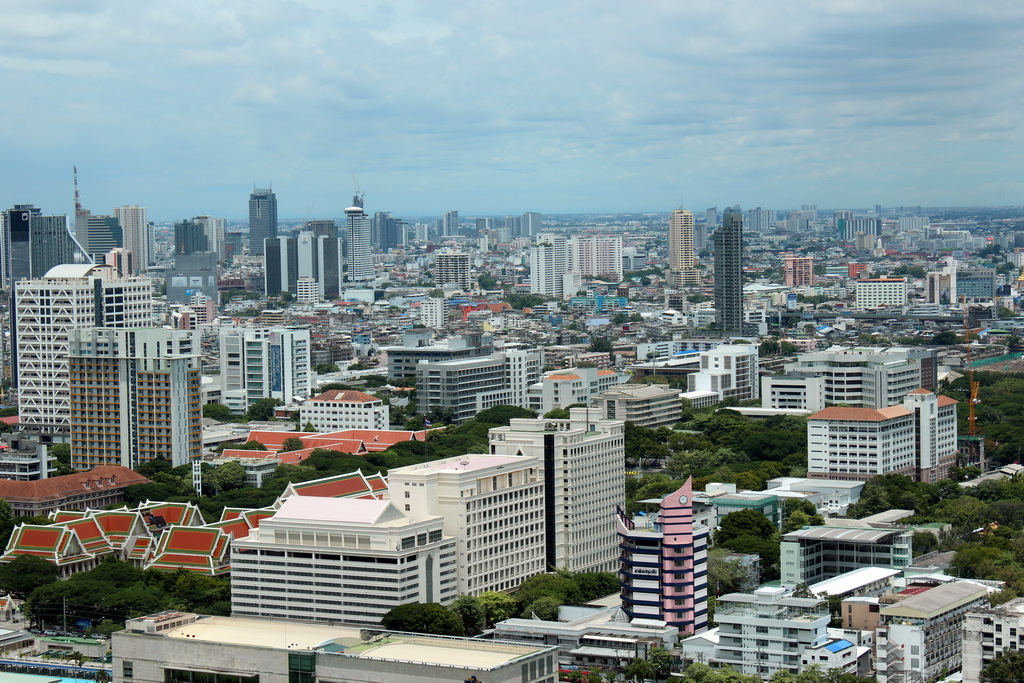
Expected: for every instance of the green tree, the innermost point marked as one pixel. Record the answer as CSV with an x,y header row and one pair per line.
x,y
218,412
62,452
263,409
502,415
545,608
497,606
798,513
745,522
472,613
1006,667
292,443
423,618
25,573
724,575
638,670
229,476
6,522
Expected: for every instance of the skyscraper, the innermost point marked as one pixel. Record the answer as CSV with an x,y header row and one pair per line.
x,y
760,220
213,229
711,216
681,261
135,231
190,238
262,219
452,268
530,224
98,235
360,255
68,297
728,241
596,256
289,259
450,224
152,396
549,263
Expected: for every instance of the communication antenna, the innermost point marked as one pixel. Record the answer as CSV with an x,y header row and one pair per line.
x,y
79,211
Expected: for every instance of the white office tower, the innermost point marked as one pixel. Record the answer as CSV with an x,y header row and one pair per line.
x,y
450,224
214,229
340,560
68,297
360,255
549,262
260,362
452,268
135,230
584,479
494,507
434,312
596,256
136,396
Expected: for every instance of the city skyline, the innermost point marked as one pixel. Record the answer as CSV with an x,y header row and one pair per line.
x,y
500,109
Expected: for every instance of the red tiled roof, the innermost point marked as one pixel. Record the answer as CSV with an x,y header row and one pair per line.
x,y
947,401
10,420
345,396
105,477
859,414
342,486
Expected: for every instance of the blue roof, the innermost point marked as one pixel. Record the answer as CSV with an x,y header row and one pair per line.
x,y
838,645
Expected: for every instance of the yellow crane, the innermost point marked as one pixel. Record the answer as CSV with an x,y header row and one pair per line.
x,y
973,385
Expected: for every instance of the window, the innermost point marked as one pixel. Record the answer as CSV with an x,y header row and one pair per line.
x,y
127,669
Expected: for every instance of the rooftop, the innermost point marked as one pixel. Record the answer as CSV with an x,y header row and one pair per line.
x,y
860,414
842,534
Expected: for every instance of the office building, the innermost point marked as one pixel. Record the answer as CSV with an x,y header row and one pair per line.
x,y
192,274
663,565
179,647
450,224
234,245
681,250
549,264
711,218
452,268
596,256
190,238
989,631
322,227
31,244
98,235
493,505
645,405
562,388
360,255
921,637
280,265
135,396
850,228
866,377
465,387
262,219
975,284
121,260
434,312
940,287
262,362
531,224
135,229
730,370
761,220
344,409
582,461
359,558
289,259
814,554
882,292
798,271
68,297
728,241
214,230
417,346
917,439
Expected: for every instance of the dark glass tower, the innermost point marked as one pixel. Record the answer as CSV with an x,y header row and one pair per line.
x,y
729,272
262,219
189,238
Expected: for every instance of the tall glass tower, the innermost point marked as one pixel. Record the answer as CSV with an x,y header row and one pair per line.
x,y
262,219
729,272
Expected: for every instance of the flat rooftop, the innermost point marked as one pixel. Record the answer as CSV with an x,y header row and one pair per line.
x,y
346,641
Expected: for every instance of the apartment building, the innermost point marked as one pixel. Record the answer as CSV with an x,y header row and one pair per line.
x,y
663,567
647,405
730,370
815,554
466,387
584,479
562,388
917,439
493,505
263,362
344,409
340,560
881,292
418,346
987,632
922,636
453,268
135,396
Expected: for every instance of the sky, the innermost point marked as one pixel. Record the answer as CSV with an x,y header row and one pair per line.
x,y
495,107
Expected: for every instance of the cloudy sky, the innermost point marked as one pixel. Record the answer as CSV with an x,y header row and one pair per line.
x,y
504,106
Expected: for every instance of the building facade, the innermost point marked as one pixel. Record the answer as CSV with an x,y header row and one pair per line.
x,y
262,219
135,396
453,268
647,405
465,387
597,256
136,230
988,632
681,250
357,236
549,264
728,250
344,409
263,362
798,271
562,388
731,370
815,554
881,292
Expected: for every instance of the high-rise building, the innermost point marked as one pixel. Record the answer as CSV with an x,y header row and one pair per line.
x,y
31,244
213,229
681,259
531,224
581,459
798,271
663,567
262,219
98,235
728,241
452,268
549,263
260,362
450,224
68,297
711,216
760,220
190,238
280,265
321,228
135,396
596,256
434,312
135,230
360,255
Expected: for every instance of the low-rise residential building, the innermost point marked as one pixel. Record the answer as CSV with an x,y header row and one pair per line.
x,y
340,560
731,370
663,567
467,387
881,292
987,632
344,409
182,647
922,635
818,553
562,388
646,405
493,505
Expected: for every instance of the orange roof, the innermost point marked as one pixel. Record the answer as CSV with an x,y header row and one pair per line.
x,y
922,390
859,414
947,401
345,396
563,377
100,478
605,373
272,440
243,453
352,485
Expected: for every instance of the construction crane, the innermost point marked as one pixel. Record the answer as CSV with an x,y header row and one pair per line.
x,y
973,385
357,198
